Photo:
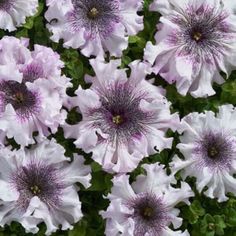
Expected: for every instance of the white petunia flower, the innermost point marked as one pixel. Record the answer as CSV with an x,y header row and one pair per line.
x,y
124,118
14,12
32,90
94,26
146,207
38,185
194,42
208,144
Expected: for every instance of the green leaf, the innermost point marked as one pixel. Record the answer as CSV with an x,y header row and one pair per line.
x,y
29,23
196,208
188,214
219,225
126,60
96,167
133,39
207,224
79,229
231,217
22,33
228,92
100,181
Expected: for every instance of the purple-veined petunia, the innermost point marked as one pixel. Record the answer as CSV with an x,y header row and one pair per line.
x,y
208,144
32,90
194,42
124,118
38,185
147,206
94,26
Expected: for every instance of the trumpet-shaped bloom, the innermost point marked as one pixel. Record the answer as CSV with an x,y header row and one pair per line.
x,y
208,144
94,26
14,12
147,206
124,119
38,185
32,90
194,42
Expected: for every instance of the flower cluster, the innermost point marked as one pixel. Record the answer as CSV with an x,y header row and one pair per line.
x,y
125,115
37,184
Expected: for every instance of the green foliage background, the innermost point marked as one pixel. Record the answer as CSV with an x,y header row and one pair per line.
x,y
204,217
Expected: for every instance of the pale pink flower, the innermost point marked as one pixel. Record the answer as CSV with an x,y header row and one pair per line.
x,y
124,118
194,42
208,144
147,206
94,26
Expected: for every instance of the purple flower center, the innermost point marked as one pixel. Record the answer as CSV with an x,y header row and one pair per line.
x,y
149,214
215,150
197,36
203,31
118,119
37,179
93,13
120,115
97,17
25,102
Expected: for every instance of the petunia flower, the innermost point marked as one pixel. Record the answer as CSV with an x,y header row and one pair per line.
x,y
124,118
147,206
208,144
13,13
32,91
194,42
94,26
38,185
